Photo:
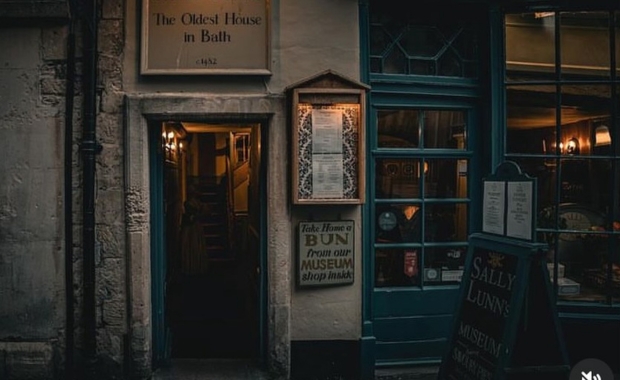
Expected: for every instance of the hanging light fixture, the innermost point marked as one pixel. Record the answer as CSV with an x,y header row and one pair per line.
x,y
602,136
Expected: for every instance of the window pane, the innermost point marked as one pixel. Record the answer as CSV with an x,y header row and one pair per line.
x,y
445,129
445,178
397,178
584,44
444,265
531,119
398,223
584,108
397,267
395,62
398,128
445,223
530,46
618,43
545,170
379,40
582,254
586,182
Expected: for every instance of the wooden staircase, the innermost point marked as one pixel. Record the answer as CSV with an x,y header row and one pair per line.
x,y
213,194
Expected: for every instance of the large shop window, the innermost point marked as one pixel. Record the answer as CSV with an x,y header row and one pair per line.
x,y
421,197
562,116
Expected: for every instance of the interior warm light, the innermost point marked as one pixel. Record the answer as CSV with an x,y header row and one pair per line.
x,y
572,146
543,14
602,136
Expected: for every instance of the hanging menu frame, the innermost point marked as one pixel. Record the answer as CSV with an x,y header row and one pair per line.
x,y
328,152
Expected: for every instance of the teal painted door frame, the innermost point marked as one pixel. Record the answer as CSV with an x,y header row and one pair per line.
x,y
160,338
160,335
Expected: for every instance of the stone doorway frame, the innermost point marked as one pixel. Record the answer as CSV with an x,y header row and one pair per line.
x,y
270,111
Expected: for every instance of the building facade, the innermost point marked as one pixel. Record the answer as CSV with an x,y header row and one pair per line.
x,y
292,183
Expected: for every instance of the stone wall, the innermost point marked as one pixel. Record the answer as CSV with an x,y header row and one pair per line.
x,y
32,288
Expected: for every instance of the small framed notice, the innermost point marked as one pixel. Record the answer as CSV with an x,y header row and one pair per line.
x,y
328,142
205,37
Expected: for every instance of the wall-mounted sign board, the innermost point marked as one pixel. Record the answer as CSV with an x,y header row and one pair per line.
x,y
205,37
326,253
506,324
508,203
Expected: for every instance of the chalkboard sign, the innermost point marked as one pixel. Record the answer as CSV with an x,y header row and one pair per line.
x,y
505,311
486,307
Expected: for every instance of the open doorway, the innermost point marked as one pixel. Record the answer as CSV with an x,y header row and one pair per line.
x,y
211,283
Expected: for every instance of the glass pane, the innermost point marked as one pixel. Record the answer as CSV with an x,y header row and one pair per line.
x,y
376,64
395,62
398,223
445,129
398,128
450,64
545,170
614,270
584,109
584,44
379,40
445,223
531,119
581,255
397,267
445,178
618,43
422,67
466,45
530,46
587,183
422,42
397,178
444,265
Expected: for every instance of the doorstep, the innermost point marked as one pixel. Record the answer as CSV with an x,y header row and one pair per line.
x,y
407,373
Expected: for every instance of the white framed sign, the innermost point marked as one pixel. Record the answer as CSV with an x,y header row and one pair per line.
x,y
184,37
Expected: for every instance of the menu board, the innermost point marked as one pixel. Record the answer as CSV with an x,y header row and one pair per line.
x,y
493,207
478,339
508,203
327,153
504,315
519,214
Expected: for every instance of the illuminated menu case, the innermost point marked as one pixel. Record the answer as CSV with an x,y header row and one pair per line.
x,y
328,154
